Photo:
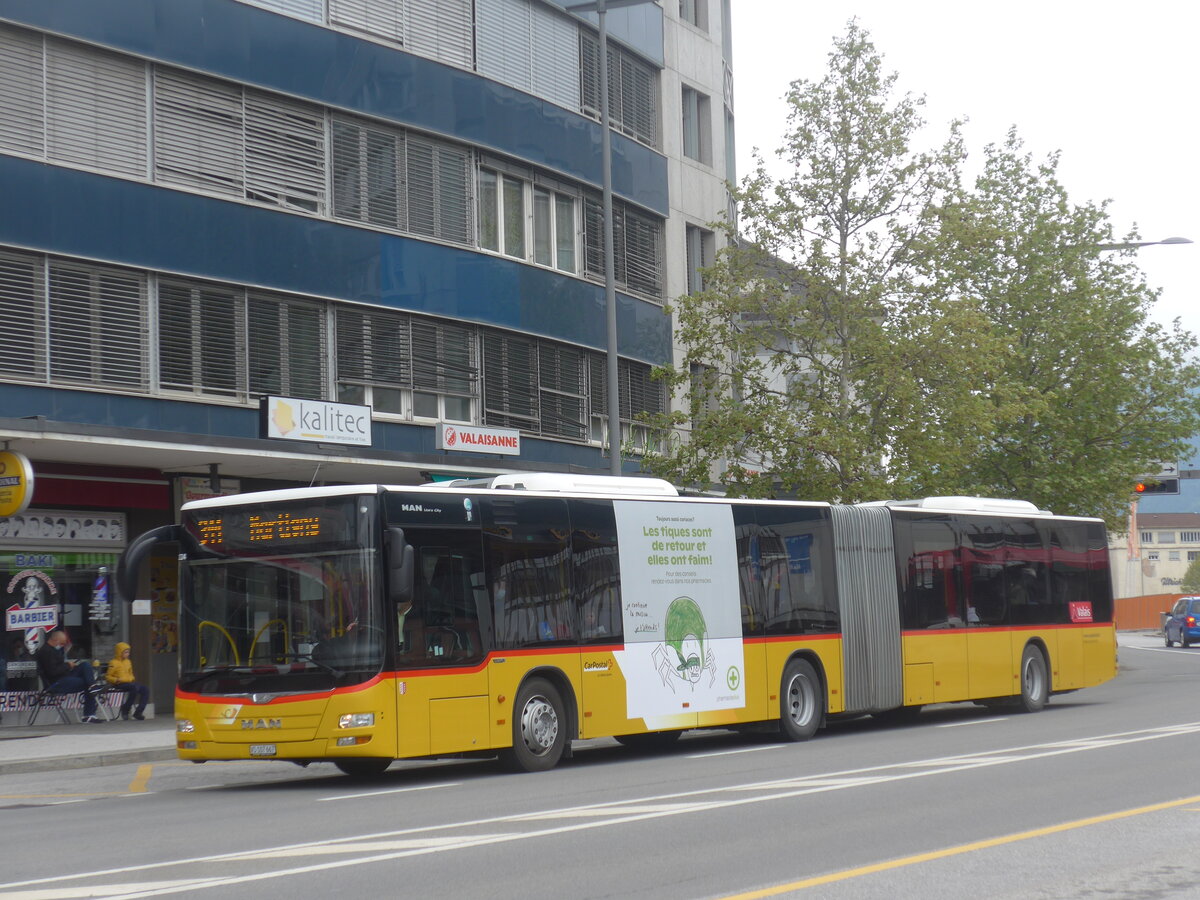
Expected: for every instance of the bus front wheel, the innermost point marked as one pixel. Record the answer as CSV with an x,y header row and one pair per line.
x,y
801,703
539,728
1035,686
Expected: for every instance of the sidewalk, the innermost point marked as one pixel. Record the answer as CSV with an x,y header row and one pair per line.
x,y
49,745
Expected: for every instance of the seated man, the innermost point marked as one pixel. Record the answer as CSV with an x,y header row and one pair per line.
x,y
67,676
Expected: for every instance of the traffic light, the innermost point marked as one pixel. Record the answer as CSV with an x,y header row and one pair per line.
x,y
1156,486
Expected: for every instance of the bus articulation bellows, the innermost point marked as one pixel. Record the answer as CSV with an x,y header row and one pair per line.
x,y
363,624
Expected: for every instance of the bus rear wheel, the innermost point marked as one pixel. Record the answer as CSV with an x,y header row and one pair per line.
x,y
363,768
1035,686
539,728
801,703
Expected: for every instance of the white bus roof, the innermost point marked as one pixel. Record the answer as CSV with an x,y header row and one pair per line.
x,y
555,482
974,504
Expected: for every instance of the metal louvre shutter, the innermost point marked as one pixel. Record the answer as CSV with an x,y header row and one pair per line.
x,y
199,349
287,346
198,133
639,393
632,90
285,153
504,51
443,358
374,348
98,326
561,382
22,92
441,30
380,18
510,382
308,10
643,253
439,200
368,174
23,315
96,109
555,57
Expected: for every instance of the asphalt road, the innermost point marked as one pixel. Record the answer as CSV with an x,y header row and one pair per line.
x,y
1093,797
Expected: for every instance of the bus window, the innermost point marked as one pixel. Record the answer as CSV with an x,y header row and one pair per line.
x,y
983,568
750,569
526,541
795,551
928,570
1026,575
596,573
441,624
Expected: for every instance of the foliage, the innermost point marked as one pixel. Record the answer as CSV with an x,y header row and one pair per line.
x,y
791,367
876,329
1191,578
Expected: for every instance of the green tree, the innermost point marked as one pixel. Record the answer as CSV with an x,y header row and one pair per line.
x,y
799,368
1084,392
1191,578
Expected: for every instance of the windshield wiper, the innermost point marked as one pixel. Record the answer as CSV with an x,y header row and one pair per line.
x,y
202,674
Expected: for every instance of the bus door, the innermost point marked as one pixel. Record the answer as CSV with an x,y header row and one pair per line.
x,y
441,680
933,618
986,555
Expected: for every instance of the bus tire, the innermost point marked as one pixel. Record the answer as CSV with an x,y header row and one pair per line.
x,y
539,728
363,768
801,701
1035,685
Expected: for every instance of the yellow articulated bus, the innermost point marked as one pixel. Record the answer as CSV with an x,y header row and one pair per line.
x,y
363,624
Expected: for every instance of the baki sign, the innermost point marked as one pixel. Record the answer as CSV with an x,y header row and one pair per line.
x,y
471,439
294,419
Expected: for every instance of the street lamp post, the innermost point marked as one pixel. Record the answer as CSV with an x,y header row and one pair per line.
x,y
601,7
1133,245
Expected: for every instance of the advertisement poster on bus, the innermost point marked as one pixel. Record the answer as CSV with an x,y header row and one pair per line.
x,y
680,608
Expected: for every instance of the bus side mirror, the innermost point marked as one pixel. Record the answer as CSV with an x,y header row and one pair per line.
x,y
400,567
131,560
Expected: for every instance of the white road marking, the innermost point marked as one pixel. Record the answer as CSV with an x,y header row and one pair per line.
x,y
403,790
732,752
385,846
971,722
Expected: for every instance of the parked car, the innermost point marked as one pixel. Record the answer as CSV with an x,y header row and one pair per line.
x,y
1182,623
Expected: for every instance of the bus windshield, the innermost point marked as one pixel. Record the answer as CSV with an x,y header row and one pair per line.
x,y
288,603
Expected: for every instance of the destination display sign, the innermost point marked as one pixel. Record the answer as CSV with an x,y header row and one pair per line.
x,y
308,526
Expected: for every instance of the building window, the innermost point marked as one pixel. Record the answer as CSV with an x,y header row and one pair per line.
x,y
1152,556
632,90
700,250
398,180
1166,537
1193,555
1147,537
200,348
510,206
1173,556
96,331
639,393
441,30
407,367
1189,537
637,247
530,46
695,12
697,126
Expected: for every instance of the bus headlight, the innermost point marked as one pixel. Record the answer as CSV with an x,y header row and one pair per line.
x,y
357,720
184,726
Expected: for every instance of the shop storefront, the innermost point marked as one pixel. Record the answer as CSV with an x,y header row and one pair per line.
x,y
56,569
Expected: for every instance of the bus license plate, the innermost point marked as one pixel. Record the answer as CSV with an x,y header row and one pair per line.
x,y
262,749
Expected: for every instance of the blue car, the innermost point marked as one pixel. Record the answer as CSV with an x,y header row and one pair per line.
x,y
1183,622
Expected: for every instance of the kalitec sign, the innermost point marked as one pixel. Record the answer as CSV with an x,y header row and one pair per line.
x,y
295,419
471,439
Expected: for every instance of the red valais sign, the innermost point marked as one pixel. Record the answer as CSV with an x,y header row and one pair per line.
x,y
1081,610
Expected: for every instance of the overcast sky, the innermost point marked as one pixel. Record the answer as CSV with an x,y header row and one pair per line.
x,y
1115,87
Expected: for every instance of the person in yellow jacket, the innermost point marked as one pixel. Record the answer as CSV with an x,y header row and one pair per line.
x,y
119,674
